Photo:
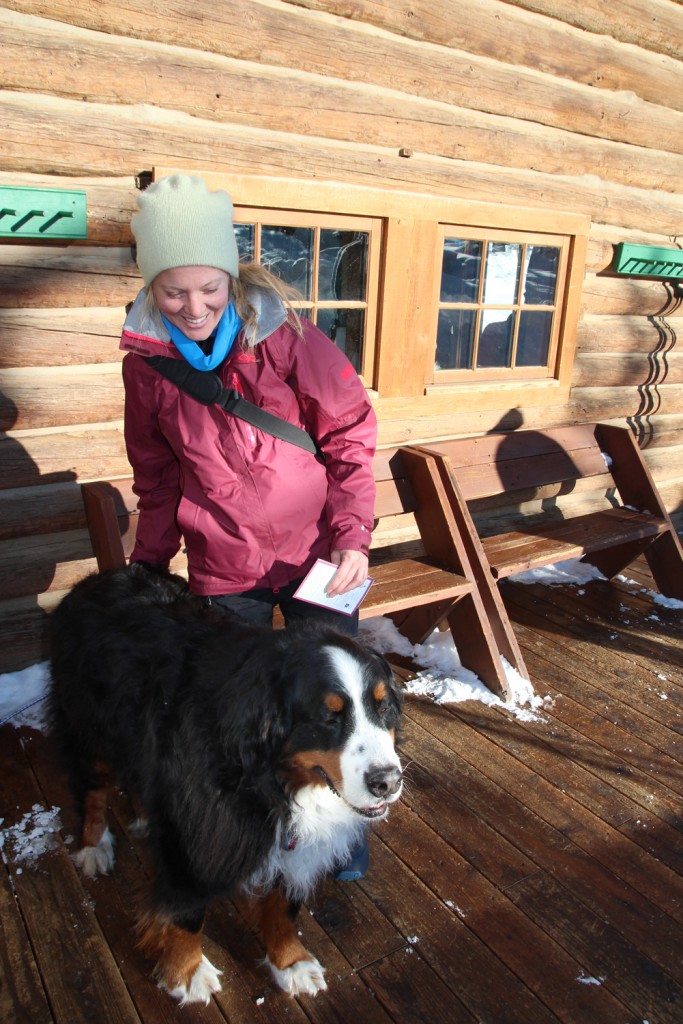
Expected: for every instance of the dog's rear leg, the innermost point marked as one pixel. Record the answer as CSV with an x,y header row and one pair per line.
x,y
96,853
181,968
294,969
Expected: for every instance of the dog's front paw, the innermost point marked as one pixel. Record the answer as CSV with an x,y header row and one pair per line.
x,y
96,860
200,987
305,977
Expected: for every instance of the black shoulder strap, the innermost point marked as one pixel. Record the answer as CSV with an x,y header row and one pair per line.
x,y
206,387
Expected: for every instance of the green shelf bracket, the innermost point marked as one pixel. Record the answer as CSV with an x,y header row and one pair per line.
x,y
42,213
648,261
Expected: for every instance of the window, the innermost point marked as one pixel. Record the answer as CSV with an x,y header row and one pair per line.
x,y
332,261
498,305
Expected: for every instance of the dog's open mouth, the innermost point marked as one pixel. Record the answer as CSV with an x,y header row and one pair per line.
x,y
374,811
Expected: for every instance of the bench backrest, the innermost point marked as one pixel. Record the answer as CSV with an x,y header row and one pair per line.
x,y
527,459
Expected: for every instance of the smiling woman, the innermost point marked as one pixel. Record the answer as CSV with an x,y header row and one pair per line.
x,y
236,494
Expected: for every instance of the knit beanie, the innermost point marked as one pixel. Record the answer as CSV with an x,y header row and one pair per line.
x,y
182,224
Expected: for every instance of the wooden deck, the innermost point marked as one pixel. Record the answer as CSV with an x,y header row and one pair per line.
x,y
532,873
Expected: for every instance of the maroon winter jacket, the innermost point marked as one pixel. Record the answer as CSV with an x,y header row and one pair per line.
x,y
253,510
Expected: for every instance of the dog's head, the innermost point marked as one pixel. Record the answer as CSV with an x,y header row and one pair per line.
x,y
344,713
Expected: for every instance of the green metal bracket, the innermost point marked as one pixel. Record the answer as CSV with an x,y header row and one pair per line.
x,y
42,213
648,261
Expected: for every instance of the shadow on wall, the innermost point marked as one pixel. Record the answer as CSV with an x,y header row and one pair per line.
x,y
648,391
27,562
513,466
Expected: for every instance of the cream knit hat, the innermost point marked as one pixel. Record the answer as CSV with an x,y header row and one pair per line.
x,y
182,224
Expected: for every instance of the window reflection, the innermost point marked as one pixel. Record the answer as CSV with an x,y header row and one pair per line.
x,y
460,270
288,252
540,275
533,343
245,235
346,328
503,264
455,339
343,265
495,342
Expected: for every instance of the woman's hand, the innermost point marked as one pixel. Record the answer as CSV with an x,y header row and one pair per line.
x,y
352,571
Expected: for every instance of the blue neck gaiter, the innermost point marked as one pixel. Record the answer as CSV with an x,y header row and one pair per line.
x,y
228,328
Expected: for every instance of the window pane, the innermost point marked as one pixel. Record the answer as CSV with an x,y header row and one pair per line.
x,y
288,252
343,265
534,338
495,341
502,273
345,327
540,280
455,339
244,233
460,270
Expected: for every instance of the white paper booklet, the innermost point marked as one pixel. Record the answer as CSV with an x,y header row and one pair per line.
x,y
312,589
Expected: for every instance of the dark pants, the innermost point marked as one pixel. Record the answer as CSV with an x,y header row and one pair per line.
x,y
257,606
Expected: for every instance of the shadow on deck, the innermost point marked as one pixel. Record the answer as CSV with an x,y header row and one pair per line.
x,y
533,871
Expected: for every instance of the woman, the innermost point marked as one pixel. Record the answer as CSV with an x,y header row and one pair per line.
x,y
254,512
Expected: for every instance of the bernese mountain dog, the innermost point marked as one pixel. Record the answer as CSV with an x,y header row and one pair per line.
x,y
259,756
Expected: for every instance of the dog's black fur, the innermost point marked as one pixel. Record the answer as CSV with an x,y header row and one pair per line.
x,y
212,723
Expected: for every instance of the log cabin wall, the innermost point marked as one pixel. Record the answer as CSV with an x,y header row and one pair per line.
x,y
535,103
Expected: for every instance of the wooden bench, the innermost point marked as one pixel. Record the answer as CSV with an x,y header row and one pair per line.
x,y
548,464
420,591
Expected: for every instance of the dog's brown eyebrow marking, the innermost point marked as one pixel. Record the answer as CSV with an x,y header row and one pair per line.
x,y
380,692
334,703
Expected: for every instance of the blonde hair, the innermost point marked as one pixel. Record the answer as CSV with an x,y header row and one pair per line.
x,y
252,275
255,275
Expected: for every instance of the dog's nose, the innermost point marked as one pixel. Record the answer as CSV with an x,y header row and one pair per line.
x,y
383,782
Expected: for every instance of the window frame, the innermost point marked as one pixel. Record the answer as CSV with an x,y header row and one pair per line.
x,y
494,374
316,221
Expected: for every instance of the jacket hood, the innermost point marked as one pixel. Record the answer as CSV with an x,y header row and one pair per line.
x,y
144,330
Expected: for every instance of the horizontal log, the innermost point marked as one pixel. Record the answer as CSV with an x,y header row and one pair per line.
x,y
292,37
405,421
656,25
627,334
54,561
27,286
115,71
626,296
110,201
80,138
487,28
58,396
50,508
54,348
619,370
61,456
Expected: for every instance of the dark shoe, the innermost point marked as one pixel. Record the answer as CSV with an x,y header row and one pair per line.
x,y
358,863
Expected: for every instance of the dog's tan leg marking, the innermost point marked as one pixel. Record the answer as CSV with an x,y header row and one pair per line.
x,y
181,968
96,853
295,969
94,817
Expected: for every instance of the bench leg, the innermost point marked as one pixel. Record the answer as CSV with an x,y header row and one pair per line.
x,y
471,634
418,624
480,571
611,561
665,558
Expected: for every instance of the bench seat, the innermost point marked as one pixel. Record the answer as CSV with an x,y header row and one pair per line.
x,y
519,550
